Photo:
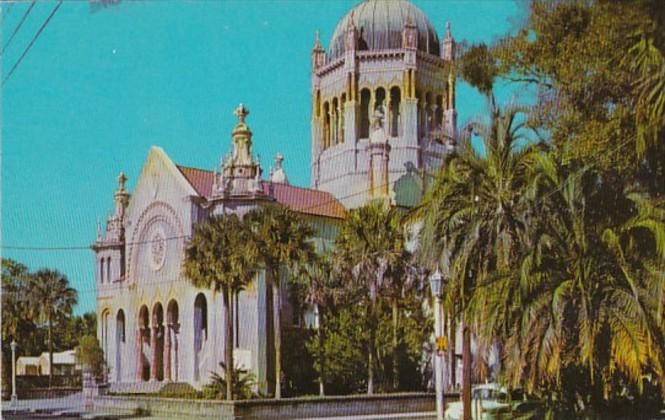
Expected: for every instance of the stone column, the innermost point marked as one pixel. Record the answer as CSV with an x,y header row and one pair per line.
x,y
389,115
139,354
153,354
167,353
176,328
338,123
333,131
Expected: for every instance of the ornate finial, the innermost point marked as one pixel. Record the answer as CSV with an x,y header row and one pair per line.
x,y
121,181
99,230
448,34
241,112
317,40
351,24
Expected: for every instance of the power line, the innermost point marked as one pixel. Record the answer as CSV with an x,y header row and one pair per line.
x,y
323,203
41,29
25,16
87,247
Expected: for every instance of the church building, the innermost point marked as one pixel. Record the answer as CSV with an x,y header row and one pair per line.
x,y
383,118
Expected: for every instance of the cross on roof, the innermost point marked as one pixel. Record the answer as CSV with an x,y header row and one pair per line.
x,y
241,112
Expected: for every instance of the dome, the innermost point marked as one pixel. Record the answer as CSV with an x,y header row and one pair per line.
x,y
380,23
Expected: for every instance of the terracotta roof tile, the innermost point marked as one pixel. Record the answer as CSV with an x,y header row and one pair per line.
x,y
298,199
200,179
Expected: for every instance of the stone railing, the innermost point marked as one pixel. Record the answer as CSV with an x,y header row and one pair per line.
x,y
303,407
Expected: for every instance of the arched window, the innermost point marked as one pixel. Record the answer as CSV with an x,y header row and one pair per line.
x,y
326,125
438,117
101,270
120,325
380,99
201,317
105,332
317,104
143,365
108,270
200,330
364,113
335,122
429,119
119,341
395,102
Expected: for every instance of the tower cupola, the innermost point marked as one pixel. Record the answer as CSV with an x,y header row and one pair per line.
x,y
240,172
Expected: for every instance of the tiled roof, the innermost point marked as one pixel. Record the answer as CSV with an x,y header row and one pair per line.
x,y
200,179
301,200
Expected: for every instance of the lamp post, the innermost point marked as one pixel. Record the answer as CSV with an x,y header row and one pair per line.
x,y
436,284
14,397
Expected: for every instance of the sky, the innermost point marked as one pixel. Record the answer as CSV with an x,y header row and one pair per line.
x,y
98,89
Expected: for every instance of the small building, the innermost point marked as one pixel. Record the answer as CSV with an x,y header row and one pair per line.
x,y
28,366
64,363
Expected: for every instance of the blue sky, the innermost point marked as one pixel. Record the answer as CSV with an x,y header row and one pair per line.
x,y
98,89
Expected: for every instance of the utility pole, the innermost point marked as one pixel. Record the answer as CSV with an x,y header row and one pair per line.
x,y
466,371
436,283
14,396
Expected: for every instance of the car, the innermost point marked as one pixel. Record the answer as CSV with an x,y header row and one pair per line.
x,y
493,401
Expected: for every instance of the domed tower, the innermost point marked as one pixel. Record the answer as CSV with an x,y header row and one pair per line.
x,y
385,58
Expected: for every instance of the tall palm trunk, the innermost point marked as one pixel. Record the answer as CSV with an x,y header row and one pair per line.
x,y
395,344
277,328
466,372
452,352
228,345
370,358
322,370
371,350
50,352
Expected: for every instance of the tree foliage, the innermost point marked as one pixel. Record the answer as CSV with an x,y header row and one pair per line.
x,y
90,355
282,240
221,256
242,386
565,267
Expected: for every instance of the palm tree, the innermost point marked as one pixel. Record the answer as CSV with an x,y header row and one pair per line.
x,y
370,248
52,300
588,290
221,256
283,240
15,301
474,214
638,246
322,291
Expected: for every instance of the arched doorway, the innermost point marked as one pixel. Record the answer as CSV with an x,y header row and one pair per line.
x,y
143,345
200,331
172,341
157,343
119,343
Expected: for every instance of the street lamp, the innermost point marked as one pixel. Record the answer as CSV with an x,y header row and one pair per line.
x,y
14,397
436,282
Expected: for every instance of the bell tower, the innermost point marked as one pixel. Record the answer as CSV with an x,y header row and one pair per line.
x,y
380,62
109,246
